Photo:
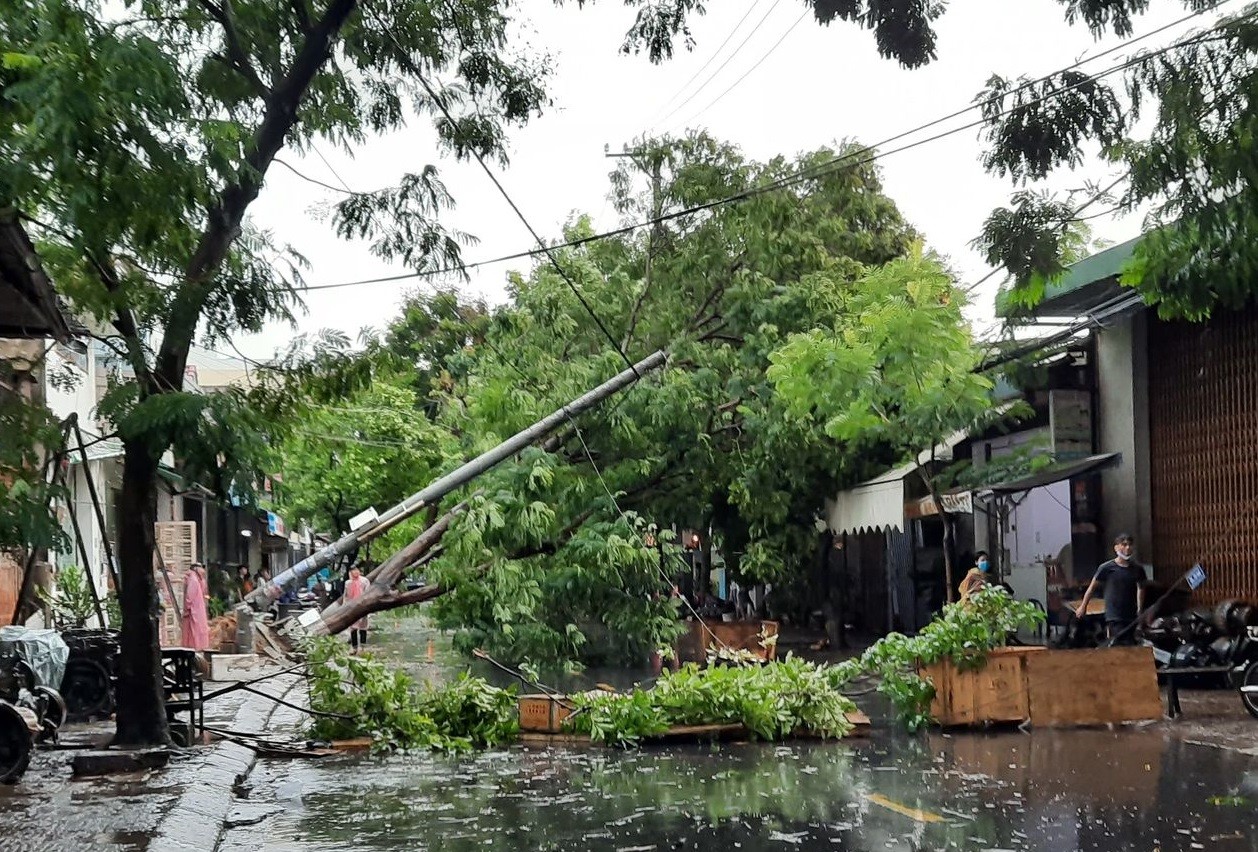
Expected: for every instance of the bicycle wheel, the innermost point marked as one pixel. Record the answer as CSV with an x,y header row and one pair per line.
x,y
1249,689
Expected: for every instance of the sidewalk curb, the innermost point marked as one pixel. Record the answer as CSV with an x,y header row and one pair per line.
x,y
197,820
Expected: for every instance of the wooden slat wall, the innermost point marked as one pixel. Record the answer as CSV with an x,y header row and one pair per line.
x,y
1203,447
177,543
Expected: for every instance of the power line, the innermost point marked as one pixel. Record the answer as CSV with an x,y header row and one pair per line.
x,y
313,180
625,519
711,59
820,169
335,174
721,67
748,72
554,261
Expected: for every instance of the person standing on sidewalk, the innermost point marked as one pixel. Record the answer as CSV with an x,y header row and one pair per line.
x,y
1124,580
196,622
356,588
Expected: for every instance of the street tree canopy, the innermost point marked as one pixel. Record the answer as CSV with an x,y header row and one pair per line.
x,y
898,365
550,561
1177,127
373,448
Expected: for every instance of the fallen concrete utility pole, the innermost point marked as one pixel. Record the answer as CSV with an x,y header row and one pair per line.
x,y
381,594
262,597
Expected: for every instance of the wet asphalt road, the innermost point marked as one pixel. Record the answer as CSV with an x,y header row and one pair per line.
x,y
1146,789
1049,791
1046,791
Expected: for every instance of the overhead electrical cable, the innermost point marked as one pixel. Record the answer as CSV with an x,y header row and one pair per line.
x,y
711,59
749,71
721,67
850,159
543,247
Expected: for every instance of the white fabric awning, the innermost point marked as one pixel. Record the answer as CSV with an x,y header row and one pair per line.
x,y
874,505
879,503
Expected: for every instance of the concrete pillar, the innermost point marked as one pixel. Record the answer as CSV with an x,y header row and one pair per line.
x,y
1123,427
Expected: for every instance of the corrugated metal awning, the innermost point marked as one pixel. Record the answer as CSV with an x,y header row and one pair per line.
x,y
1054,473
107,448
879,503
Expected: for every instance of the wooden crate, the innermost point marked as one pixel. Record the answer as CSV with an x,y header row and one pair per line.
x,y
1049,688
1093,687
176,543
996,692
542,713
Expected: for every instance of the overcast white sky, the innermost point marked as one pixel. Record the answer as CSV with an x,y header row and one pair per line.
x,y
820,85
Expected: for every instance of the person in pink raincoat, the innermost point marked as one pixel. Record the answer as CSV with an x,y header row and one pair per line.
x,y
196,622
356,588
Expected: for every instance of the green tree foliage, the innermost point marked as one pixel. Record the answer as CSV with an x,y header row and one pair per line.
x,y
1178,127
551,561
771,701
544,565
361,697
896,364
429,343
370,449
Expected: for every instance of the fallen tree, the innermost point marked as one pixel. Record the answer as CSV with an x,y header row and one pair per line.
x,y
383,593
434,492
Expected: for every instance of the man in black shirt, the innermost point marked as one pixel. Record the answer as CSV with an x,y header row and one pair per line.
x,y
1124,580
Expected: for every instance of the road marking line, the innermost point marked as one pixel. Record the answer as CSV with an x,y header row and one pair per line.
x,y
903,810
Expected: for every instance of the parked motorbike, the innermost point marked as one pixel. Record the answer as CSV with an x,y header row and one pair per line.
x,y
29,713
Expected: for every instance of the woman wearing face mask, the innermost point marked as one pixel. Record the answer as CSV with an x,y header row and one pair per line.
x,y
977,577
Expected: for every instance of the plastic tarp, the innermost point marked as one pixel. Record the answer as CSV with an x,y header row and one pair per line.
x,y
43,650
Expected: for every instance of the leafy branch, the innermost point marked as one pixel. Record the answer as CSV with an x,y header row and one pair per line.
x,y
963,633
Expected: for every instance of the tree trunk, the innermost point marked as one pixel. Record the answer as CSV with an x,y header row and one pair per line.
x,y
141,702
397,599
381,594
835,580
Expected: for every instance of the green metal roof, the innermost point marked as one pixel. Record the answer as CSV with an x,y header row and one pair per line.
x,y
1087,283
1097,267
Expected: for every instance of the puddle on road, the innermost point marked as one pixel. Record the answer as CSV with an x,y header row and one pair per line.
x,y
46,812
1047,791
1050,791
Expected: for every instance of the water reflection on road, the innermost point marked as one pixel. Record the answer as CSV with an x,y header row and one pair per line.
x,y
1045,791
1051,791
